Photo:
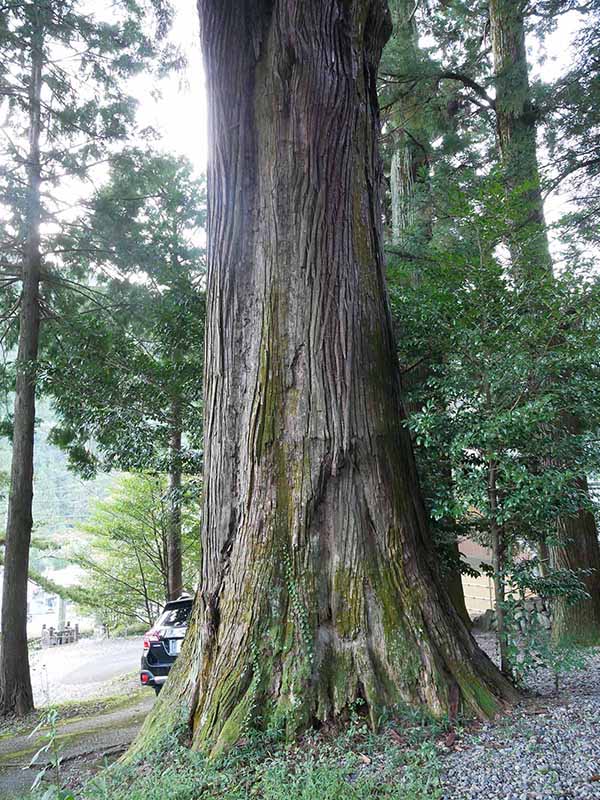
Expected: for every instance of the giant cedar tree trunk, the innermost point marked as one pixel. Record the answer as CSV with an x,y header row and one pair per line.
x,y
409,187
318,587
15,682
577,536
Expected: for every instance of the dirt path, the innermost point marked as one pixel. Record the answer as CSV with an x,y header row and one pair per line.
x,y
94,737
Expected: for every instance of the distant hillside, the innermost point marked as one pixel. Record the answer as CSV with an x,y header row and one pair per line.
x,y
62,500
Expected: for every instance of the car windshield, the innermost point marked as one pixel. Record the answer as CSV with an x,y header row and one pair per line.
x,y
176,617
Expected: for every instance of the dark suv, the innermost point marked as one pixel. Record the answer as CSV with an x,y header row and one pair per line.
x,y
162,643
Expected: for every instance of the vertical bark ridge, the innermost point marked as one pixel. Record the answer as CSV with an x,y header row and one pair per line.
x,y
174,543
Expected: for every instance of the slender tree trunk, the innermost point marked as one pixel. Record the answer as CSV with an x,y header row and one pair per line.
x,y
544,558
499,563
318,584
15,682
174,546
530,253
412,210
410,162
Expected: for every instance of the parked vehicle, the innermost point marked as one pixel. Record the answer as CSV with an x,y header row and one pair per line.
x,y
162,643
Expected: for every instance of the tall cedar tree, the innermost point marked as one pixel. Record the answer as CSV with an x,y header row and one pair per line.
x,y
576,546
319,587
50,50
120,368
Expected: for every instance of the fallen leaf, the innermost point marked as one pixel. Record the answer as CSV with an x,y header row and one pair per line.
x,y
365,759
450,739
396,737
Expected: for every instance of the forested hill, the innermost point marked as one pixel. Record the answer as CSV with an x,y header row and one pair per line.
x,y
62,500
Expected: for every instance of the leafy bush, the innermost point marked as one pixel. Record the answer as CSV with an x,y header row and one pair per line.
x,y
530,643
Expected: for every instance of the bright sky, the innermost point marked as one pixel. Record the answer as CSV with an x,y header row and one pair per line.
x,y
180,113
556,56
548,64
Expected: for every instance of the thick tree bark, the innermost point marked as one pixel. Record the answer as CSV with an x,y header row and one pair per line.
x,y
577,535
174,546
318,583
15,682
576,548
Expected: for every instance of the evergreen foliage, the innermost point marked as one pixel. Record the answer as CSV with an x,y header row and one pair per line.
x,y
124,366
85,108
501,379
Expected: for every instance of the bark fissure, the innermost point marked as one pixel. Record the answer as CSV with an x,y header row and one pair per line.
x,y
174,540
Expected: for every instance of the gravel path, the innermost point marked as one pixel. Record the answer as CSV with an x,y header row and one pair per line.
x,y
548,748
90,668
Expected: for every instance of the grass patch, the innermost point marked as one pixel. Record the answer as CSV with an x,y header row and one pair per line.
x,y
70,711
400,763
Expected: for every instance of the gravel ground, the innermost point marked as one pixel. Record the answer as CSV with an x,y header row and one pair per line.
x,y
548,748
91,668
